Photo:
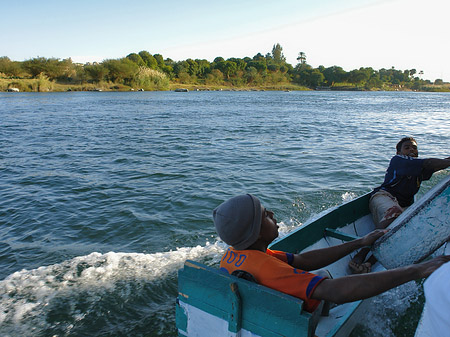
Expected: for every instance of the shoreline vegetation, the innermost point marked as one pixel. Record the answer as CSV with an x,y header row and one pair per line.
x,y
146,72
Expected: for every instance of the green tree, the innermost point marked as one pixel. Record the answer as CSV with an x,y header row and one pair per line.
x,y
301,73
360,76
35,66
334,75
259,64
121,70
228,68
218,59
159,60
10,68
148,59
252,76
240,63
192,67
180,67
52,68
214,77
258,57
204,68
301,58
277,54
150,79
316,78
136,58
96,72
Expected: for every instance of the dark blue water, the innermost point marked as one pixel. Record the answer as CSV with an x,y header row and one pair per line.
x,y
104,195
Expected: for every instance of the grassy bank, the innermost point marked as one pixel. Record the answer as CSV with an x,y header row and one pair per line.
x,y
43,84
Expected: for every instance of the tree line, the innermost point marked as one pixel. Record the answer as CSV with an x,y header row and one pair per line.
x,y
153,72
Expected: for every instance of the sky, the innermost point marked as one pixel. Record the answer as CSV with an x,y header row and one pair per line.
x,y
404,34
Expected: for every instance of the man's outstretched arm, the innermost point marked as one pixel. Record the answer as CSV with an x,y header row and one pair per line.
x,y
320,258
357,287
435,164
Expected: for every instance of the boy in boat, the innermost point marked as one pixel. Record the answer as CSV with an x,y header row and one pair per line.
x,y
243,223
402,181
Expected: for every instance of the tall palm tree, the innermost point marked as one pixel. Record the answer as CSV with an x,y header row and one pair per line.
x,y
301,57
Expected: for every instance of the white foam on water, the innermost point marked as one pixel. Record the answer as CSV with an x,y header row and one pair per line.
x,y
27,295
386,309
348,196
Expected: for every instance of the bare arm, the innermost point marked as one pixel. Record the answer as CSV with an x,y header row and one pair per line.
x,y
435,164
320,258
358,287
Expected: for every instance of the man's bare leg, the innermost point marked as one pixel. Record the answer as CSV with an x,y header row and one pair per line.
x,y
357,264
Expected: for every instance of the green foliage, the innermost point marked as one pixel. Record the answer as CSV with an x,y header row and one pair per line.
x,y
43,84
215,77
96,72
150,79
159,60
52,68
10,68
136,58
153,72
277,54
334,74
121,71
22,85
148,59
301,58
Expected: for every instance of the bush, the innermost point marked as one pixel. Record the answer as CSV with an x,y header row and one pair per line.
x,y
42,84
22,85
150,79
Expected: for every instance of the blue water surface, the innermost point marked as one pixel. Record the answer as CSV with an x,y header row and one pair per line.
x,y
105,194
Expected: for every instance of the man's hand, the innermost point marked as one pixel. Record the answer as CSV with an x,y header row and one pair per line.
x,y
373,236
426,268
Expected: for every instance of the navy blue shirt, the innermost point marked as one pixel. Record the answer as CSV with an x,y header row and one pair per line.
x,y
403,178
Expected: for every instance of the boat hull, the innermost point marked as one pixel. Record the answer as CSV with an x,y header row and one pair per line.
x,y
417,232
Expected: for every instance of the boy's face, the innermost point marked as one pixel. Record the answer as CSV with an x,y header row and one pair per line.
x,y
409,148
269,227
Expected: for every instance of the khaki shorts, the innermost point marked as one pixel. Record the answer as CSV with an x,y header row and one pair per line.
x,y
380,205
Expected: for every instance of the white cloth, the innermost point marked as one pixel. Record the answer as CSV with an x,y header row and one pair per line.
x,y
436,316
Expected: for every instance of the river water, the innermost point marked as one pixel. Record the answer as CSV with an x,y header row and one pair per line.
x,y
104,195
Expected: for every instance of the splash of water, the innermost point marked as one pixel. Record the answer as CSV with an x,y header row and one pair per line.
x,y
388,313
28,296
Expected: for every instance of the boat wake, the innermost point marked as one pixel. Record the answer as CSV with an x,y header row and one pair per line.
x,y
394,313
62,298
39,299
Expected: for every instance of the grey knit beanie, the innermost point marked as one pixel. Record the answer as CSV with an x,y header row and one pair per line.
x,y
238,221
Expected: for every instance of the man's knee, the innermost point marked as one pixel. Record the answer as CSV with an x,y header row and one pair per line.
x,y
390,215
393,212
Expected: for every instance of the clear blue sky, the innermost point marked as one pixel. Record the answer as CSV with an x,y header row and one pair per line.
x,y
405,34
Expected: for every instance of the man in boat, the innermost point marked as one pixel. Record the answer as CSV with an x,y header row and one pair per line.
x,y
243,223
402,181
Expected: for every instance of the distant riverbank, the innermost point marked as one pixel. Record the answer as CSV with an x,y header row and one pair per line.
x,y
45,85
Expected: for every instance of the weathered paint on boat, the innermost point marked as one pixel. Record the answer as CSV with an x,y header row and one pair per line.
x,y
234,305
426,224
211,303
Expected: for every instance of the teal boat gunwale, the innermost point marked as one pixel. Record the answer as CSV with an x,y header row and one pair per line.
x,y
263,311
